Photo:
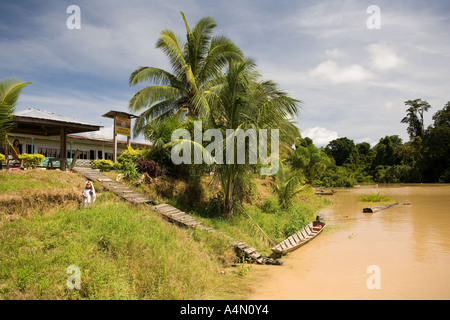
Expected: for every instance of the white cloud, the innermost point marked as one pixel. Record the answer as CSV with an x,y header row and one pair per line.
x,y
320,136
383,57
331,71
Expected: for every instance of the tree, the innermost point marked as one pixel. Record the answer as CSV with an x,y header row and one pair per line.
x,y
309,159
10,90
436,145
246,102
287,184
442,117
386,151
414,117
197,67
340,150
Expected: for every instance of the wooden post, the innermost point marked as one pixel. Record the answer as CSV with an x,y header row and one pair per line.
x,y
63,149
115,142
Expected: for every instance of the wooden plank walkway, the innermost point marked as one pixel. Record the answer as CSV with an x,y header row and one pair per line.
x,y
169,212
115,187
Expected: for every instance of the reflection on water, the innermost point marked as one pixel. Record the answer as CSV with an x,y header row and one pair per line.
x,y
409,243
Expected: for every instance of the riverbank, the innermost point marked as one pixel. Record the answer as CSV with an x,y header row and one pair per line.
x,y
122,251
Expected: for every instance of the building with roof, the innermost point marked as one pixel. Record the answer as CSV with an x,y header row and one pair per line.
x,y
55,136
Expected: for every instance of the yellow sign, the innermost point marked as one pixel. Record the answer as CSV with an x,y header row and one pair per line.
x,y
123,126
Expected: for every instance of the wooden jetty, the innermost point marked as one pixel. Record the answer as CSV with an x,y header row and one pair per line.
x,y
169,212
379,208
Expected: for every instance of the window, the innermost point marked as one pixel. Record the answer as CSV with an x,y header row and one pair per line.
x,y
48,152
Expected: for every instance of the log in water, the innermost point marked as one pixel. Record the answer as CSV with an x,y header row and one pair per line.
x,y
379,208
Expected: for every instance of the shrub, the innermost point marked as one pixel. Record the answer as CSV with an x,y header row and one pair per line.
x,y
2,158
148,166
31,160
102,164
130,155
129,171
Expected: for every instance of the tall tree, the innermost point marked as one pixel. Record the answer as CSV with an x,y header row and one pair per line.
x,y
245,102
436,143
197,66
340,150
414,117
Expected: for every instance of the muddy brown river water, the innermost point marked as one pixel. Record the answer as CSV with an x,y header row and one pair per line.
x,y
399,253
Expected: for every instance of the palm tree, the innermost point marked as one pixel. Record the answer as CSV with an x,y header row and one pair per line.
x,y
197,64
245,102
10,90
287,184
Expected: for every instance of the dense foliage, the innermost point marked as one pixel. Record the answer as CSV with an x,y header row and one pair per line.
x,y
424,158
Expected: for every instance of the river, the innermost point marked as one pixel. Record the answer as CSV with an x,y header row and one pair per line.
x,y
399,253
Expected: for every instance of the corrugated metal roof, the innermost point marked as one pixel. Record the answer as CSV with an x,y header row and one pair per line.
x,y
41,114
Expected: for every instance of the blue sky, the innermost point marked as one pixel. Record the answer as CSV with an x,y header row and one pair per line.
x,y
353,81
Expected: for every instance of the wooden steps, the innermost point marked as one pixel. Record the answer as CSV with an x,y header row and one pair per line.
x,y
115,187
169,212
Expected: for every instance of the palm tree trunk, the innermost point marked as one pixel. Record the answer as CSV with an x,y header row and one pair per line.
x,y
228,193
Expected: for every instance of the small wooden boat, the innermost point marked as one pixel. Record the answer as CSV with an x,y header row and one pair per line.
x,y
325,193
300,238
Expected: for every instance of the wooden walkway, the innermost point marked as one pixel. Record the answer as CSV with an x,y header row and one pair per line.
x,y
115,187
169,212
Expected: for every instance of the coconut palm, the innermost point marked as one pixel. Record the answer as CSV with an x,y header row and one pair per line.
x,y
196,64
10,90
245,102
287,184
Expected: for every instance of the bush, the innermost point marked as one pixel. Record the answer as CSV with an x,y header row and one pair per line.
x,y
148,166
31,160
130,155
129,171
2,158
104,165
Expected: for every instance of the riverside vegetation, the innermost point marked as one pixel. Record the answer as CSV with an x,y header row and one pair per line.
x,y
125,251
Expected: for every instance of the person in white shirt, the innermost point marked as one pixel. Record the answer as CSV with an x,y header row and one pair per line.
x,y
88,195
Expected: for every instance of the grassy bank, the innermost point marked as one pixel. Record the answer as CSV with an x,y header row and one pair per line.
x,y
125,251
258,221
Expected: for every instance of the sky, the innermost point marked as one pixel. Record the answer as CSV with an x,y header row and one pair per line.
x,y
352,79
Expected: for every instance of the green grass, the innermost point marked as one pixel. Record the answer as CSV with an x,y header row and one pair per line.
x,y
374,197
23,180
263,225
123,252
